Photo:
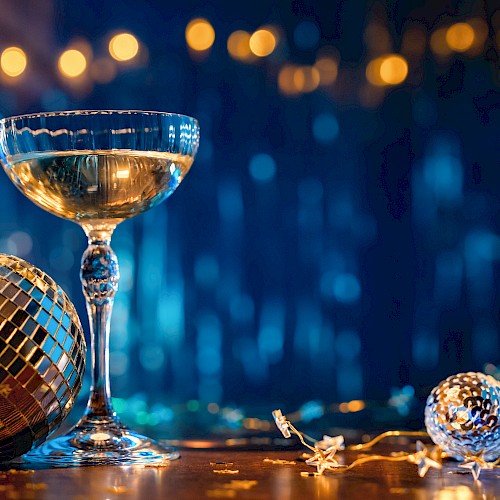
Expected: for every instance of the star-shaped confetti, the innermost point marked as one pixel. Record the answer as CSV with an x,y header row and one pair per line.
x,y
240,484
282,423
426,458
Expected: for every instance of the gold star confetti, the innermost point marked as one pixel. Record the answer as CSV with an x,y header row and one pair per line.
x,y
117,490
158,465
241,484
278,461
36,486
226,471
221,493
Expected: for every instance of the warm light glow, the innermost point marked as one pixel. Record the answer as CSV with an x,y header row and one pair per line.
x,y
200,34
460,37
480,28
438,43
72,63
123,47
294,80
238,45
373,71
286,82
306,78
393,69
13,61
390,69
455,493
251,423
356,405
344,408
100,436
327,68
262,43
123,174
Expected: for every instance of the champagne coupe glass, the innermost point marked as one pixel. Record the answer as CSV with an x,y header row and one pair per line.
x,y
98,168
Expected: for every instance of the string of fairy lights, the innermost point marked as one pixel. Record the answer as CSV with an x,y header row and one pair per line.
x,y
385,67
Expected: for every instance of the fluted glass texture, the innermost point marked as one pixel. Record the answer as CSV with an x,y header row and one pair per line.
x,y
92,165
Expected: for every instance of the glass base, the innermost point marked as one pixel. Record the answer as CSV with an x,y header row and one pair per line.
x,y
101,445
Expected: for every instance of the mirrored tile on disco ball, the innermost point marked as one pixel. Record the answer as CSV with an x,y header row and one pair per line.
x,y
15,432
21,396
27,405
48,407
42,346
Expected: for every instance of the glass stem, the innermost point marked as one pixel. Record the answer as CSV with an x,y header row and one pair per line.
x,y
99,274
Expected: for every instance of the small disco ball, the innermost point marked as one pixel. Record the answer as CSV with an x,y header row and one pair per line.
x,y
42,356
462,415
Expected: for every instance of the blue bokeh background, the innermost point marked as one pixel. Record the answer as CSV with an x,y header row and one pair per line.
x,y
337,245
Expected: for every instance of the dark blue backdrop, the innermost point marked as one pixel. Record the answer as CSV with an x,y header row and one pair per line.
x,y
324,246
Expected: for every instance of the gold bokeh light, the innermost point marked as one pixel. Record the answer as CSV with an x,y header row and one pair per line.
x,y
200,34
286,83
13,61
373,72
394,69
123,47
72,63
460,37
328,69
438,43
306,78
262,42
390,69
238,45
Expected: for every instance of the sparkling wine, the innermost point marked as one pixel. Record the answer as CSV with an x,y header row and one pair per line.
x,y
87,186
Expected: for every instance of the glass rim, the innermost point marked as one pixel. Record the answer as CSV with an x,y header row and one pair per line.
x,y
90,112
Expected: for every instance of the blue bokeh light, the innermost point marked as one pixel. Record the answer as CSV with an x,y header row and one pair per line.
x,y
262,167
325,128
346,288
306,35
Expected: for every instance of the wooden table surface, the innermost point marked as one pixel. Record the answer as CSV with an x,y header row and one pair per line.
x,y
193,477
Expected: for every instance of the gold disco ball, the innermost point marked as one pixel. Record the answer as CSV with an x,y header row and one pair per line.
x,y
42,356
